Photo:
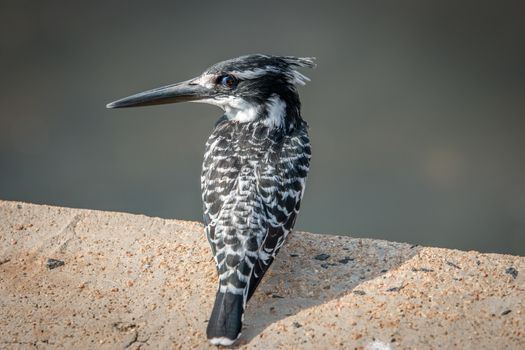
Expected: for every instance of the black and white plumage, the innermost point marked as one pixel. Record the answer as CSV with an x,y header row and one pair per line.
x,y
254,171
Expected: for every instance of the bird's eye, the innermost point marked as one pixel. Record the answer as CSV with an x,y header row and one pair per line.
x,y
227,81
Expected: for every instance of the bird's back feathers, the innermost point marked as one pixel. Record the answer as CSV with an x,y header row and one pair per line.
x,y
252,183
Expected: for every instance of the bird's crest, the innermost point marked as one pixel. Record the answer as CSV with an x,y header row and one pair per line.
x,y
297,77
255,66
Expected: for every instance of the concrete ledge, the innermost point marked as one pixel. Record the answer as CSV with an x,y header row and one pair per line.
x,y
131,281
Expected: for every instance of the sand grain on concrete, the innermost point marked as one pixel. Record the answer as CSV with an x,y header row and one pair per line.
x,y
131,281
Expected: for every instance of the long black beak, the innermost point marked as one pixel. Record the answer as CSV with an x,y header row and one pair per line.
x,y
180,92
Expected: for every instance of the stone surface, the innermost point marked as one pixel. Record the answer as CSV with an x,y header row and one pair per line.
x,y
131,281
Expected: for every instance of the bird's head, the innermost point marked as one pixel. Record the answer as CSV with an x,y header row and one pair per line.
x,y
247,88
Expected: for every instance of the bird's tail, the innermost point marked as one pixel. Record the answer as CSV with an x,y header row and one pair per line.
x,y
225,324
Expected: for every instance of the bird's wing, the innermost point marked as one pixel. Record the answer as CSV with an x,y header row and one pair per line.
x,y
281,186
220,174
249,209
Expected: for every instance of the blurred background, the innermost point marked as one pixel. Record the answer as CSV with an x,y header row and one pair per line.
x,y
416,110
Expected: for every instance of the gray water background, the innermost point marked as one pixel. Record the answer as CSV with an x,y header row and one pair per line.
x,y
416,110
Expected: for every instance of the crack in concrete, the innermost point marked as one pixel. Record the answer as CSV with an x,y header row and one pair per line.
x,y
132,340
59,241
69,231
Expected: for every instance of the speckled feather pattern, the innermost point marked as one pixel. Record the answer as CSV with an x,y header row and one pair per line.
x,y
253,179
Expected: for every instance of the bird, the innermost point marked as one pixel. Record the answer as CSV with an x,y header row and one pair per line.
x,y
253,178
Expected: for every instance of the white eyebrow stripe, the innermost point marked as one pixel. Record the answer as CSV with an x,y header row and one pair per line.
x,y
205,80
293,76
254,73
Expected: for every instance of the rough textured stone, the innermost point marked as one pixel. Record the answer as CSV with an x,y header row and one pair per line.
x,y
131,281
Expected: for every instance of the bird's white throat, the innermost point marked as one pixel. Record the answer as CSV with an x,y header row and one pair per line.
x,y
272,112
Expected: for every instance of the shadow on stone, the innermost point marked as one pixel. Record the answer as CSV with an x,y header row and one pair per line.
x,y
299,279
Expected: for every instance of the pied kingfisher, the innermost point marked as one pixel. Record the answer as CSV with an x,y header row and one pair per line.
x,y
254,171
